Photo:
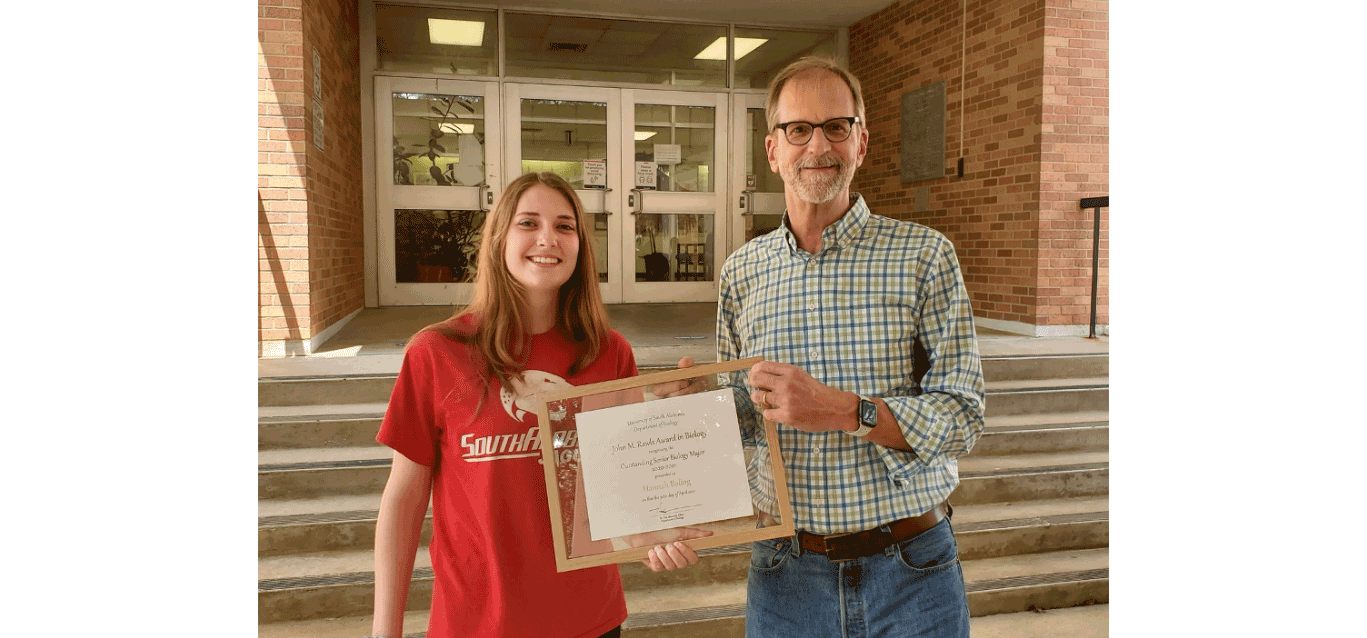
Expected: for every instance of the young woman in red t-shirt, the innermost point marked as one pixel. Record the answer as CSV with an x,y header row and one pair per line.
x,y
464,434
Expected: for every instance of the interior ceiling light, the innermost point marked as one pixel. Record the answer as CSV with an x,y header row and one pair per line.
x,y
645,135
717,50
458,32
455,127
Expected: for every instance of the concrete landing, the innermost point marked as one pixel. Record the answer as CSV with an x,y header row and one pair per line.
x,y
660,334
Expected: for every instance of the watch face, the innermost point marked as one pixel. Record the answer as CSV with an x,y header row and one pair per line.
x,y
868,413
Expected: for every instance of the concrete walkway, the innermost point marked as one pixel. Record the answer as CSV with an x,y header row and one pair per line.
x,y
660,334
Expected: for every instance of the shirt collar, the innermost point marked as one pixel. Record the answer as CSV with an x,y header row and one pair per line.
x,y
843,231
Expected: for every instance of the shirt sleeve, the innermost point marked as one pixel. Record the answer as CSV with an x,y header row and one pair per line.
x,y
410,421
944,420
729,349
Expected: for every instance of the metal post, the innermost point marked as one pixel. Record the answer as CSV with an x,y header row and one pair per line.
x,y
1095,203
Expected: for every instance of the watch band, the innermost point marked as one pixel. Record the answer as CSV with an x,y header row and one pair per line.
x,y
867,415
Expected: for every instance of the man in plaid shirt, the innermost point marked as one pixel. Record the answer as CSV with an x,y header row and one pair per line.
x,y
835,300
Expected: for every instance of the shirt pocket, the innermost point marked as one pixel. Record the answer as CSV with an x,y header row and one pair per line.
x,y
874,333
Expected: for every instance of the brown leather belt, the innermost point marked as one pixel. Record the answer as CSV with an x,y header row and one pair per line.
x,y
870,541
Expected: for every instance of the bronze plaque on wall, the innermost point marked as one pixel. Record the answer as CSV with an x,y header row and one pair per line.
x,y
923,133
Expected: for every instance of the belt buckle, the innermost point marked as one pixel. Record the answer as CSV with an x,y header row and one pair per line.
x,y
878,538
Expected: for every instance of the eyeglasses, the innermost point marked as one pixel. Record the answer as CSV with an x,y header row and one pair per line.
x,y
836,129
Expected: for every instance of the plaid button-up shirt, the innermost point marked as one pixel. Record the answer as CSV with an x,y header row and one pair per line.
x,y
848,316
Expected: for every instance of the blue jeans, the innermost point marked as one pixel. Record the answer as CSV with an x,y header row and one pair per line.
x,y
913,588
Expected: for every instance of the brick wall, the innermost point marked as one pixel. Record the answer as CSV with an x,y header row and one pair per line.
x,y
309,201
997,78
282,199
336,271
1074,159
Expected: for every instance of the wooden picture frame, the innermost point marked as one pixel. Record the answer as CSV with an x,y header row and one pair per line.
x,y
565,486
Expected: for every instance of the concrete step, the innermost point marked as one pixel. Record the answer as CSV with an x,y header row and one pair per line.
x,y
1087,621
304,473
347,521
315,585
1024,477
1007,374
995,586
355,425
984,478
325,389
322,524
1068,366
1043,581
282,427
1029,433
1047,396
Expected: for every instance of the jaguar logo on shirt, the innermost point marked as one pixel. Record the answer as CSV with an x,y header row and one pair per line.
x,y
518,403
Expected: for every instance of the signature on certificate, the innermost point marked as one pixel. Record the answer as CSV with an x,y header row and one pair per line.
x,y
667,514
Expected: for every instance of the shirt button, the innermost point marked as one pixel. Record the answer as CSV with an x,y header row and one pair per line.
x,y
816,355
816,450
811,306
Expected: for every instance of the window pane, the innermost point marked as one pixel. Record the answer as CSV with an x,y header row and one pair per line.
x,y
693,129
674,247
777,50
428,40
601,50
438,140
436,246
757,170
601,253
558,135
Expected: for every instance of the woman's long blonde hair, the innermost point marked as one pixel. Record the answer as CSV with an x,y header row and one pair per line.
x,y
499,304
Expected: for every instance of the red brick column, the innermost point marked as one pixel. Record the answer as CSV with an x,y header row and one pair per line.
x,y
1023,242
309,199
1075,160
282,199
992,68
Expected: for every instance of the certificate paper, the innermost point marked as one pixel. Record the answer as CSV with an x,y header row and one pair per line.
x,y
662,464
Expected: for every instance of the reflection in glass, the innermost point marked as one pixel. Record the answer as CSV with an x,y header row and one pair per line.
x,y
672,247
568,465
756,159
692,128
430,40
558,135
438,140
757,68
612,50
758,177
436,246
599,235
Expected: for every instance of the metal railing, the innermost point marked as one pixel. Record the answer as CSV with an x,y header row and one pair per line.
x,y
1096,204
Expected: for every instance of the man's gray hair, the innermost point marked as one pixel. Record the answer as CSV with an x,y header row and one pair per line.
x,y
804,65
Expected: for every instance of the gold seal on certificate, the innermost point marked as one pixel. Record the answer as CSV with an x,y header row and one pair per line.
x,y
627,470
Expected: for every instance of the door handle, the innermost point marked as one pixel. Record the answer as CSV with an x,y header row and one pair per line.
x,y
606,212
636,200
747,201
486,198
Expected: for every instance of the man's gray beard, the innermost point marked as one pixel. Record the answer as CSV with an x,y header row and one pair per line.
x,y
815,190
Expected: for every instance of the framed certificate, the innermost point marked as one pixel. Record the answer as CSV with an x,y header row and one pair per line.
x,y
627,470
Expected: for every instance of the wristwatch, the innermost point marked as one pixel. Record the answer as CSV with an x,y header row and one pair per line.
x,y
868,417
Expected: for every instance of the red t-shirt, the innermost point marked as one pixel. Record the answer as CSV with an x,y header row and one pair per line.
x,y
492,553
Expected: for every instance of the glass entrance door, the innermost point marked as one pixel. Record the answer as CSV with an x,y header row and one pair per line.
x,y
678,190
573,132
758,207
433,185
646,165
